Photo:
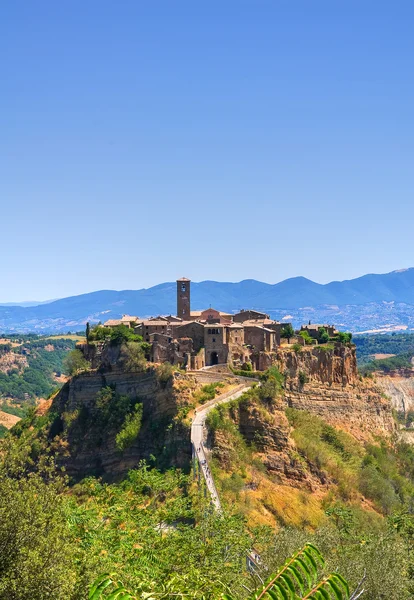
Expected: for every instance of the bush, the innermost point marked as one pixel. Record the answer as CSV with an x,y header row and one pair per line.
x,y
303,378
39,555
344,337
130,429
133,358
247,366
297,348
305,335
208,392
75,363
164,373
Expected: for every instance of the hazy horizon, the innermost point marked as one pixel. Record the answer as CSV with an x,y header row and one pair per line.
x,y
48,301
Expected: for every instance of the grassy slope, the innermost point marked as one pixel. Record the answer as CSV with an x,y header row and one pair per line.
x,y
376,479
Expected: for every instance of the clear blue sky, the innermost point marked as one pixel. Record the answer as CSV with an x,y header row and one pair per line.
x,y
226,140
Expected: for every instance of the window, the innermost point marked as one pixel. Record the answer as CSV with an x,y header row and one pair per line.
x,y
209,332
214,339
183,287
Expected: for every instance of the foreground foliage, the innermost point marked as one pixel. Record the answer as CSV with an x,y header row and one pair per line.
x,y
296,580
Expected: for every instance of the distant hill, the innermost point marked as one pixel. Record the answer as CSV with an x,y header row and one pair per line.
x,y
299,297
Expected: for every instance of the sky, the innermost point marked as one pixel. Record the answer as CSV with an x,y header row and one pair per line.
x,y
141,141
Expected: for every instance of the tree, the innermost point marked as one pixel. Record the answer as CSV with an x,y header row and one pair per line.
x,y
323,336
344,337
287,332
88,330
38,553
75,362
133,358
305,335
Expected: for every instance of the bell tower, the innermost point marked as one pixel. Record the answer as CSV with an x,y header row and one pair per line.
x,y
183,299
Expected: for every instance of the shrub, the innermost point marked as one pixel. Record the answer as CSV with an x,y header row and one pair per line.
x,y
344,337
303,378
247,366
133,358
130,429
323,336
164,373
75,363
297,348
208,392
305,335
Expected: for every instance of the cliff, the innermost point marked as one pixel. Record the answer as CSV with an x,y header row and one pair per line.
x,y
399,387
84,429
324,380
331,364
92,408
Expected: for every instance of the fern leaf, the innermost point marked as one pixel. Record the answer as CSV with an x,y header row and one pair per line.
x,y
324,594
99,586
311,559
315,553
335,588
306,570
292,569
281,593
288,583
341,581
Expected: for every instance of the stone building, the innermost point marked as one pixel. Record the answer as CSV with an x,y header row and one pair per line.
x,y
195,339
198,338
314,330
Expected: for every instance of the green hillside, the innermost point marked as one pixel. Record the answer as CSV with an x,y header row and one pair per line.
x,y
31,365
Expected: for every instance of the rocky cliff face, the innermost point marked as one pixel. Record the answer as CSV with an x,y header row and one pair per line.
x,y
325,381
399,387
86,441
336,364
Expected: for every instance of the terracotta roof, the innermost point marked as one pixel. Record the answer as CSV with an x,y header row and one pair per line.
x,y
259,322
183,279
113,322
129,318
198,313
153,323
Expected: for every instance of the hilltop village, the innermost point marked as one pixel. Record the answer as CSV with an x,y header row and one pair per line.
x,y
197,339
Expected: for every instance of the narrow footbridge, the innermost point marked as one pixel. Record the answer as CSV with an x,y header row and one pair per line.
x,y
198,435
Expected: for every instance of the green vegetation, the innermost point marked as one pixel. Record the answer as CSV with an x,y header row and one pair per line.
x,y
344,337
298,578
75,363
394,343
306,337
356,538
34,364
387,365
130,429
287,332
115,335
208,392
323,336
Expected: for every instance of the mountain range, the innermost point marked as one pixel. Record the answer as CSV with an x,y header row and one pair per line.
x,y
384,300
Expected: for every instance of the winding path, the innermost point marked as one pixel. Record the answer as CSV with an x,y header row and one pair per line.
x,y
198,436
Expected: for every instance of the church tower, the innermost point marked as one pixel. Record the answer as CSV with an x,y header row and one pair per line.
x,y
183,299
